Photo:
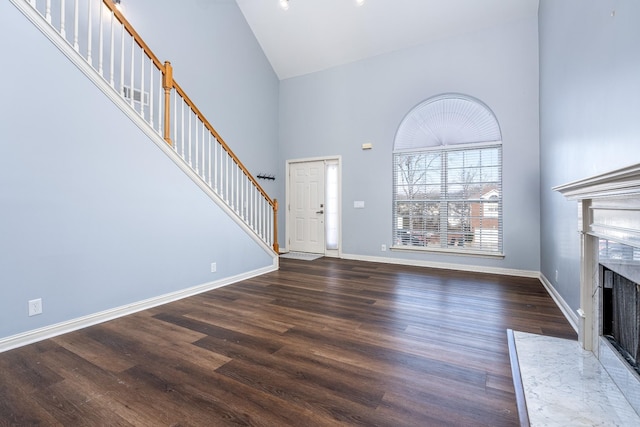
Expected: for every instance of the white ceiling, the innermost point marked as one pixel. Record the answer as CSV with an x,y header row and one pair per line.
x,y
318,34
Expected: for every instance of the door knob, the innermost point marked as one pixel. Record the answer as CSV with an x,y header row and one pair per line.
x,y
320,212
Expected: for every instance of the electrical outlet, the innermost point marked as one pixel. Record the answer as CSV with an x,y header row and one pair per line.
x,y
383,248
213,267
35,307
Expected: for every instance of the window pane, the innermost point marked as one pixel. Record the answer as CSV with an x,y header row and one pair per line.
x,y
331,205
464,211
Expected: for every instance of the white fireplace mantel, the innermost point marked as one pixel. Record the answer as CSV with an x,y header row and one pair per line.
x,y
609,208
618,183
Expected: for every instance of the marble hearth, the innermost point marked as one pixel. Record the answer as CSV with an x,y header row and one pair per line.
x,y
609,227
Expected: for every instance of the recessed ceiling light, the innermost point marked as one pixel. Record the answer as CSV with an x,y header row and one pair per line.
x,y
284,4
359,2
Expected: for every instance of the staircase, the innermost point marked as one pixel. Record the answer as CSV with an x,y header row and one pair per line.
x,y
100,41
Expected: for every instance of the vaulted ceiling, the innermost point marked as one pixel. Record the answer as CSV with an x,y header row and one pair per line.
x,y
313,35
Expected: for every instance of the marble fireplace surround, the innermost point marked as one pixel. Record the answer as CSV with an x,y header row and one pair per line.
x,y
608,208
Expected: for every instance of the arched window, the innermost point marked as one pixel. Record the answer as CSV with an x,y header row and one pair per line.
x,y
447,166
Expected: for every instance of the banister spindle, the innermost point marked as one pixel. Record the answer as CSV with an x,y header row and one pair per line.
x,y
175,121
216,165
132,69
227,177
112,51
122,44
189,139
89,34
63,31
143,56
151,72
76,46
101,39
47,11
167,84
209,150
182,125
195,118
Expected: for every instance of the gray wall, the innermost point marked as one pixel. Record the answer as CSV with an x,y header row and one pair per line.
x,y
333,112
589,115
92,214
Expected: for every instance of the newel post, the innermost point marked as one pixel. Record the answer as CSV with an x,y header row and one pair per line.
x,y
167,84
276,247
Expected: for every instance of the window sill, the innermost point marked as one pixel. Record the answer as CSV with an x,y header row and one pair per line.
x,y
446,251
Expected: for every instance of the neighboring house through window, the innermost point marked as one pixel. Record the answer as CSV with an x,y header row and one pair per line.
x,y
447,166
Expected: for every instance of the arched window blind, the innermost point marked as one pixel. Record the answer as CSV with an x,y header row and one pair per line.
x,y
447,192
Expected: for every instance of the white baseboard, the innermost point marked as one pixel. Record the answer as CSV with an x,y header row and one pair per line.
x,y
51,331
445,266
569,314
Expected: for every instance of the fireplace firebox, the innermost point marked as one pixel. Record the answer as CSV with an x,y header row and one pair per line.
x,y
620,315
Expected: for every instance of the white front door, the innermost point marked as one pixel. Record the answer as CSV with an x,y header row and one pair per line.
x,y
306,216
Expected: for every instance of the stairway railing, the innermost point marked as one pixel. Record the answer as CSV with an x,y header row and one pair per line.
x,y
108,43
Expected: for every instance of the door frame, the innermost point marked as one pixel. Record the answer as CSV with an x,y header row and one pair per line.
x,y
336,253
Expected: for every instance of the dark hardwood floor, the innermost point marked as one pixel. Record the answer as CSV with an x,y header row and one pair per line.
x,y
322,343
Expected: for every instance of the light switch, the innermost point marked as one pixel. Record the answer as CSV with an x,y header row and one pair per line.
x,y
358,204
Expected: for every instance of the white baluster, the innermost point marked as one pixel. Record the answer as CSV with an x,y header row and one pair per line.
x,y
241,185
182,128
209,151
216,166
47,11
230,174
252,207
190,148
122,36
256,210
151,72
63,31
261,221
250,197
175,120
161,106
101,40
234,186
203,160
143,57
112,51
132,69
197,144
227,178
269,236
76,46
89,35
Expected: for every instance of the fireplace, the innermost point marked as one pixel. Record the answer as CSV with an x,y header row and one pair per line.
x,y
608,317
620,300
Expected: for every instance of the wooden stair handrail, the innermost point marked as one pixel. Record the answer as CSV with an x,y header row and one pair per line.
x,y
221,141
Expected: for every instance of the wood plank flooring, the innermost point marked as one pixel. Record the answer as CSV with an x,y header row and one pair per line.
x,y
321,343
